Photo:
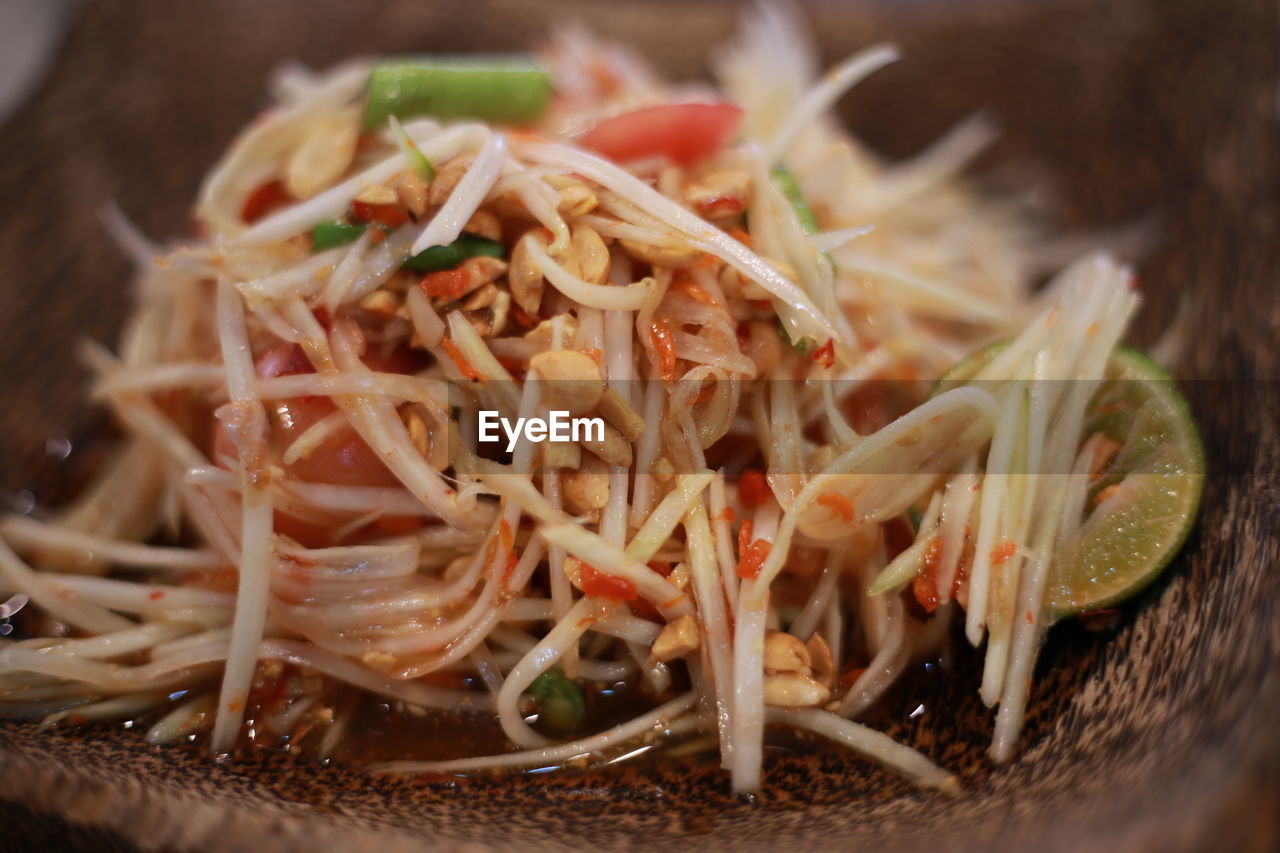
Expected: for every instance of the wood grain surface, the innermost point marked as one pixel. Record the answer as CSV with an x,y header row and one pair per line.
x,y
1161,737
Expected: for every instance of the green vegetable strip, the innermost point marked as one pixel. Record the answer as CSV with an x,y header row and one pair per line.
x,y
799,346
504,90
447,257
916,517
335,232
561,707
417,160
787,183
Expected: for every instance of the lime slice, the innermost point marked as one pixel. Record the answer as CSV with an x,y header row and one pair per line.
x,y
1141,507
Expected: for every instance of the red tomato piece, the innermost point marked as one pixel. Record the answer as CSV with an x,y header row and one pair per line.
x,y
662,567
266,198
390,215
751,560
342,459
753,489
684,133
601,585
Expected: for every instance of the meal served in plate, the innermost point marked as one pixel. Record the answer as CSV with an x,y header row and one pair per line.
x,y
833,420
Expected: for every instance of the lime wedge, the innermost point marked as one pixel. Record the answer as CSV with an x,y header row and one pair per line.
x,y
1143,504
1141,508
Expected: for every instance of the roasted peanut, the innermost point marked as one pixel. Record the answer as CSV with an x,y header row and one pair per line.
x,y
526,279
324,155
499,311
588,257
561,454
680,576
418,432
377,194
613,448
544,331
412,192
719,195
785,653
792,690
679,638
480,298
446,179
617,412
576,200
587,489
570,380
483,269
823,663
484,224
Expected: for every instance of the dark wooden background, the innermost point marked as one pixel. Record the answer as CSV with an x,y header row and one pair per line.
x,y
1160,110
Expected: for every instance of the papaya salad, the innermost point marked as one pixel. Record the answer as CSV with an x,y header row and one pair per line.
x,y
848,416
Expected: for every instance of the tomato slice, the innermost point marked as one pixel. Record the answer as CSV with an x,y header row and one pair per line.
x,y
390,215
685,133
603,585
266,198
342,459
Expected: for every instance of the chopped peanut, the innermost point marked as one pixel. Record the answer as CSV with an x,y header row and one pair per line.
x,y
418,432
785,653
823,662
617,412
499,311
525,279
324,155
412,193
678,638
484,269
792,690
613,449
576,200
485,224
377,195
587,489
588,257
561,454
680,576
481,298
571,380
542,333
719,195
446,179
